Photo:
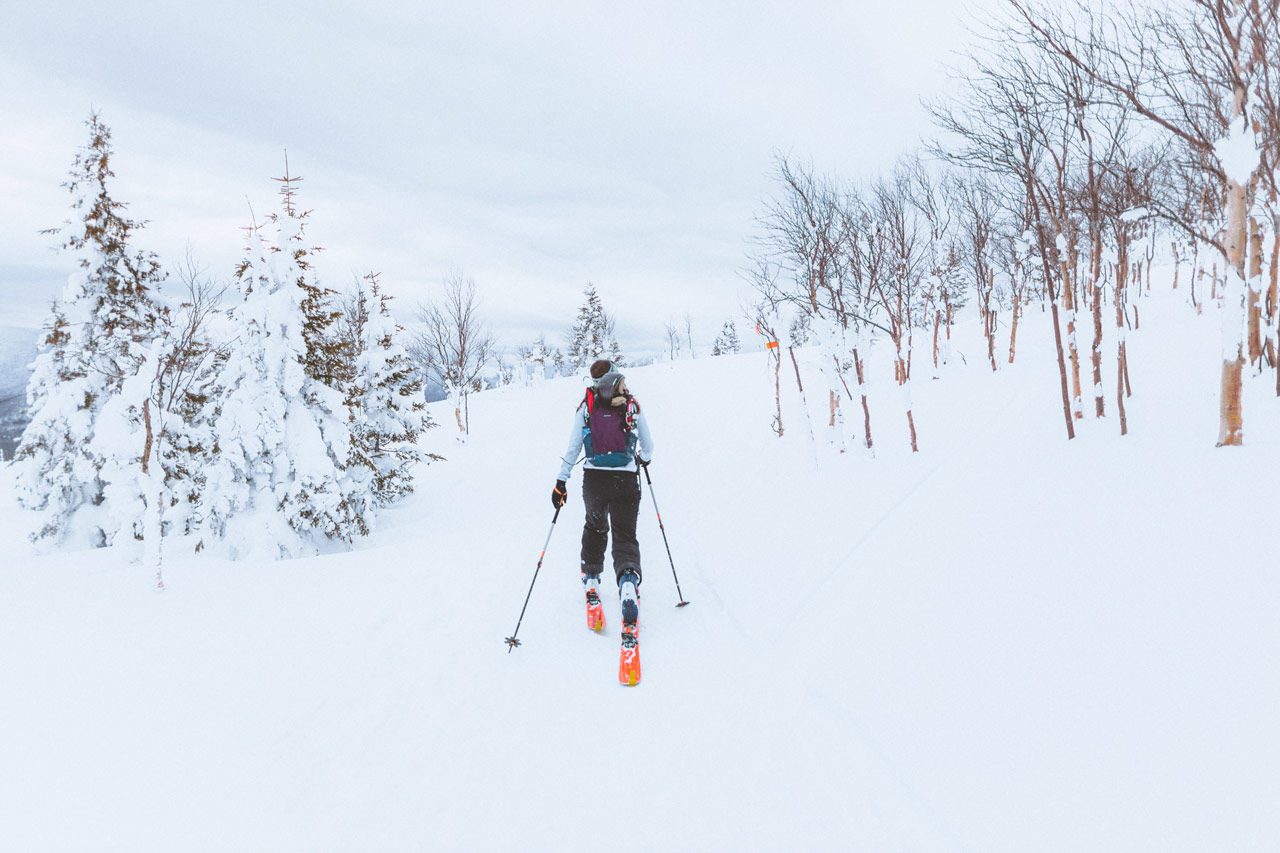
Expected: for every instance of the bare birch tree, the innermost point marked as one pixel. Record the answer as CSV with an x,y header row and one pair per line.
x,y
453,344
1200,72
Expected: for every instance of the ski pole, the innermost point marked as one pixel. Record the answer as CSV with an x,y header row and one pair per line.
x,y
654,498
512,642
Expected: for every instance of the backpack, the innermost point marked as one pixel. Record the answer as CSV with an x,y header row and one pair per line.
x,y
609,437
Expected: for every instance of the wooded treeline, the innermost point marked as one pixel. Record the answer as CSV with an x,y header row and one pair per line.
x,y
1080,147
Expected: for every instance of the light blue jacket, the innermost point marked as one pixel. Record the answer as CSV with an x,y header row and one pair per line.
x,y
644,448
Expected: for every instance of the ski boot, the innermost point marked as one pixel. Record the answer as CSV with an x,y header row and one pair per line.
x,y
595,610
629,663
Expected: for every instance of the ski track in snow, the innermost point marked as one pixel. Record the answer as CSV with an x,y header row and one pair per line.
x,y
1004,642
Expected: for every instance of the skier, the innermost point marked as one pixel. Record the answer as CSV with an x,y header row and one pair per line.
x,y
611,428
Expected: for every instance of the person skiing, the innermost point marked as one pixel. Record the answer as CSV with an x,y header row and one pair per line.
x,y
610,427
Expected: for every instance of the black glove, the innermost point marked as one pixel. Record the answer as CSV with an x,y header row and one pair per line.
x,y
644,463
559,494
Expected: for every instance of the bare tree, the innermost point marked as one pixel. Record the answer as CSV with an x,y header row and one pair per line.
x,y
1203,74
453,344
901,293
818,253
998,127
673,340
181,367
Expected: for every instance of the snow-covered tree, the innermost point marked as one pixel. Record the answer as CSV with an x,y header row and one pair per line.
x,y
96,338
726,342
539,359
327,353
156,432
277,481
592,335
384,401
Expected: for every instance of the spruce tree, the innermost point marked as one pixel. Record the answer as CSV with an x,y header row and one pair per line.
x,y
727,341
539,359
277,477
592,335
384,401
326,348
95,339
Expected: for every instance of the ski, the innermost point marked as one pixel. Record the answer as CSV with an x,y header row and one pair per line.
x,y
629,664
595,611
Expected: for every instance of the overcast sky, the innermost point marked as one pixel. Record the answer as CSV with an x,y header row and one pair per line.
x,y
536,146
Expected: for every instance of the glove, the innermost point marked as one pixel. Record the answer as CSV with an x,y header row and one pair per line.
x,y
559,494
644,463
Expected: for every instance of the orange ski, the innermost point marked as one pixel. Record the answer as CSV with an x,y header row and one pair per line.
x,y
595,611
629,665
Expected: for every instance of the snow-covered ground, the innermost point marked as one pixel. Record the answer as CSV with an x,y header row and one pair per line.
x,y
1005,642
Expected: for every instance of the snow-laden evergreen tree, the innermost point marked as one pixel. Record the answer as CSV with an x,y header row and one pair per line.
x,y
539,360
384,401
96,338
327,353
726,342
277,481
592,336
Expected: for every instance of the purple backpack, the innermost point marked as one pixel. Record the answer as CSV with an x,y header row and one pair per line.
x,y
609,436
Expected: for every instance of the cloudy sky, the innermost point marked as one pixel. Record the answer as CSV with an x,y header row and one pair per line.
x,y
535,146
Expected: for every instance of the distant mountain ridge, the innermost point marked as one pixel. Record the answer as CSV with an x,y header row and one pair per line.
x,y
17,351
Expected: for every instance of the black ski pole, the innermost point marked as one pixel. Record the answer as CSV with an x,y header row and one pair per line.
x,y
512,642
654,497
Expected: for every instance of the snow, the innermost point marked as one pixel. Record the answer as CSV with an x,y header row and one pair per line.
x,y
1007,641
1238,151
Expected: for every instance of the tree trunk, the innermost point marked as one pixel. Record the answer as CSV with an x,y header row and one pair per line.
x,y
1013,326
837,422
1231,418
1122,363
1230,406
1272,332
777,390
937,323
153,531
1122,371
1254,293
1099,403
804,405
1062,372
862,389
906,392
991,320
1069,304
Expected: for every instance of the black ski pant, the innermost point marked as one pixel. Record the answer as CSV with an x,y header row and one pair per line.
x,y
612,499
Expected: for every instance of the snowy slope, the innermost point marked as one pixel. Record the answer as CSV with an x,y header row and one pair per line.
x,y
1004,642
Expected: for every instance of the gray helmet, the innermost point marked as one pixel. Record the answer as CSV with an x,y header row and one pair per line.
x,y
611,385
